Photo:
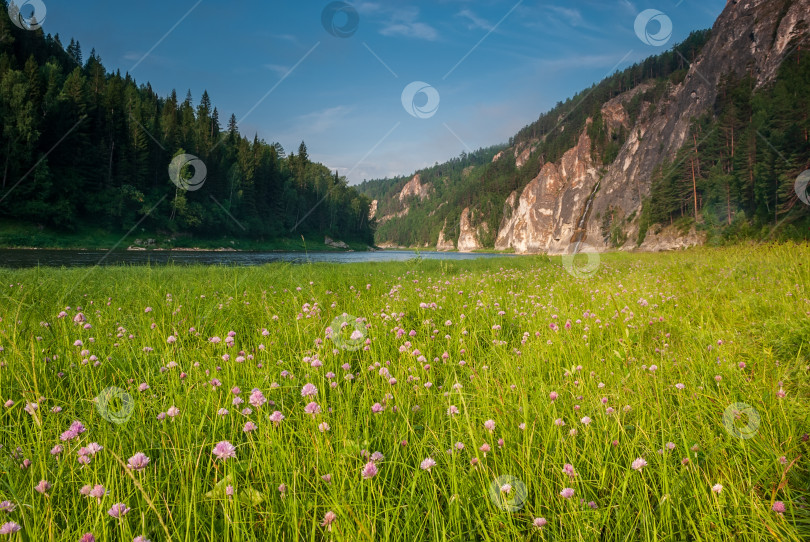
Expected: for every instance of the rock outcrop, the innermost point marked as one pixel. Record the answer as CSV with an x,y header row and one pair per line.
x,y
669,238
400,214
444,243
414,187
544,217
563,202
524,151
614,114
328,241
469,236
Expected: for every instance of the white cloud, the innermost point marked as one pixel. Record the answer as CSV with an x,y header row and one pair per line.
x,y
475,20
411,30
399,21
574,62
367,7
573,16
629,5
278,68
288,38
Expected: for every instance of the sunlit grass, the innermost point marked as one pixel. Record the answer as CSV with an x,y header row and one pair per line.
x,y
739,314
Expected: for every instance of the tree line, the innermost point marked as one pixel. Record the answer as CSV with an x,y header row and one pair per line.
x,y
81,146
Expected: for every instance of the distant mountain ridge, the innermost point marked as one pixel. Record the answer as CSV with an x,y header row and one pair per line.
x,y
699,144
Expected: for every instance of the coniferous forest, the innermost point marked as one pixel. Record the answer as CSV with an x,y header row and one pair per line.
x,y
81,146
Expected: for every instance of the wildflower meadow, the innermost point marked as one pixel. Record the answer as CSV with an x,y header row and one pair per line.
x,y
653,397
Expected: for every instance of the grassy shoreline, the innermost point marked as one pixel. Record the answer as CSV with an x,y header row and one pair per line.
x,y
24,236
644,358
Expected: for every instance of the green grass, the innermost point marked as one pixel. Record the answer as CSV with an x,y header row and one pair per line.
x,y
753,300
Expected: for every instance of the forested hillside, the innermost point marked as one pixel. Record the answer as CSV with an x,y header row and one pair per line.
x,y
82,146
732,178
452,186
742,165
475,180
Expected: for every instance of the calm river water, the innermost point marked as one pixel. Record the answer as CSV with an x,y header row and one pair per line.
x,y
15,258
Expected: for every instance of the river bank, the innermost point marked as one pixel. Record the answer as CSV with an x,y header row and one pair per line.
x,y
26,236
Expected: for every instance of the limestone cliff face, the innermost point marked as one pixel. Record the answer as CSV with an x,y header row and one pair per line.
x,y
469,238
444,243
414,188
561,204
544,217
669,238
615,115
524,151
400,214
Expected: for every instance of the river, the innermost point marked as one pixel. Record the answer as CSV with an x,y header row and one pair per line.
x,y
21,258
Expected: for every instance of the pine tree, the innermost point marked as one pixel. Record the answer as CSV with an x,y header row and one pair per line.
x,y
302,153
215,127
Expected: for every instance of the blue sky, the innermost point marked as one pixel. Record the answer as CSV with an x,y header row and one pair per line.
x,y
495,65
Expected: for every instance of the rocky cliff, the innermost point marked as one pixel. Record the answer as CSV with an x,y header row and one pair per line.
x,y
469,238
445,244
414,187
545,214
585,171
556,208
